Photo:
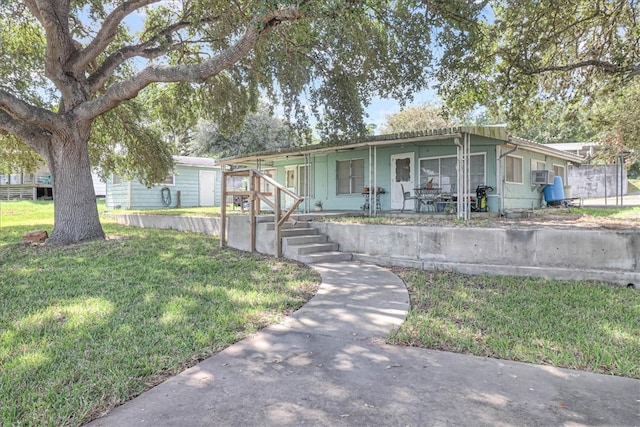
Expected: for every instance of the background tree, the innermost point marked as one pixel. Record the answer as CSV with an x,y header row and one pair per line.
x,y
260,132
416,118
71,71
617,117
540,60
560,123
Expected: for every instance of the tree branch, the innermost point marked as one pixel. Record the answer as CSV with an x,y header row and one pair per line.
x,y
19,110
30,135
144,50
604,65
128,89
107,32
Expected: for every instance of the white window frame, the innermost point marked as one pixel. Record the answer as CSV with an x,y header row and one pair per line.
x,y
354,187
535,165
169,181
439,177
302,177
563,175
521,159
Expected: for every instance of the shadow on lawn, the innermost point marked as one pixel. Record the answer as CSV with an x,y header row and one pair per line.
x,y
86,327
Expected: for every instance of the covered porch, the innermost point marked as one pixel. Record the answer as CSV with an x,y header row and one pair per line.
x,y
429,172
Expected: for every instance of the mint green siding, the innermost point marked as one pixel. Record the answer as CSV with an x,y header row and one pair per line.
x,y
135,195
324,172
526,195
505,196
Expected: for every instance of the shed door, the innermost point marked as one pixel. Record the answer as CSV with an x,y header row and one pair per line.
x,y
207,188
402,171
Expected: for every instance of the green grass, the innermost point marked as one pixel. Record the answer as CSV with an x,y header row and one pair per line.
x,y
588,326
631,213
87,327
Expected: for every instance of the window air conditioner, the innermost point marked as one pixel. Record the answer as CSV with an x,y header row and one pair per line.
x,y
541,177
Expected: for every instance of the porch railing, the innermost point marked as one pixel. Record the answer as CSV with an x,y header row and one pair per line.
x,y
255,180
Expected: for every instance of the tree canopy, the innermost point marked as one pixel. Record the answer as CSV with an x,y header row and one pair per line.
x,y
72,73
416,118
536,55
261,131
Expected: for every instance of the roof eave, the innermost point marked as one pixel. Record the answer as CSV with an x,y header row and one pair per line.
x,y
543,149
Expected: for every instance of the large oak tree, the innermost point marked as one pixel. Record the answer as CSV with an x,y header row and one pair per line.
x,y
72,71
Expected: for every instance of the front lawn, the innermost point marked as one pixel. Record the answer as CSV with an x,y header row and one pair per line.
x,y
579,325
87,327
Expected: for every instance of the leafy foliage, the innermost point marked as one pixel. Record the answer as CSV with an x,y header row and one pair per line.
x,y
617,118
416,118
94,79
539,61
260,132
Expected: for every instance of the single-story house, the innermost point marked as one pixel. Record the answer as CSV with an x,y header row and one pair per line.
x,y
21,185
195,181
455,160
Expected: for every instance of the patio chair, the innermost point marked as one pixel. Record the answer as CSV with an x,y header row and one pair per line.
x,y
406,195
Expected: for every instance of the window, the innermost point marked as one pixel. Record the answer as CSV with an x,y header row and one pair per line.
x,y
442,172
295,178
266,187
350,176
559,170
27,178
513,170
537,165
117,179
171,179
477,171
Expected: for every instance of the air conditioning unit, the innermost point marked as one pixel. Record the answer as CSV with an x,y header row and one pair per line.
x,y
541,177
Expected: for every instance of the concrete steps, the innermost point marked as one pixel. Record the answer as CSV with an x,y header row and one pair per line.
x,y
305,244
324,257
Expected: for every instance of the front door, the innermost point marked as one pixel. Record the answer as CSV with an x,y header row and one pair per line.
x,y
207,188
402,172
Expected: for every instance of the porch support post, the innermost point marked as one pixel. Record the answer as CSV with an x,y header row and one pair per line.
x,y
372,189
375,178
277,224
223,210
307,183
467,168
252,211
464,177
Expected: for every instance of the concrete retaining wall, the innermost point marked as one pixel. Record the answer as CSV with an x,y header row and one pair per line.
x,y
607,255
204,225
612,256
238,235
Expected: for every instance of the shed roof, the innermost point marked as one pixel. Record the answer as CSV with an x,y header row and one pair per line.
x,y
194,161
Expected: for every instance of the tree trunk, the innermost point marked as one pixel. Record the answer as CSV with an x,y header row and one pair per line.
x,y
76,216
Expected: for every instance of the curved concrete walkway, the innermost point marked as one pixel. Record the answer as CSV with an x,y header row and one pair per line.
x,y
327,364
